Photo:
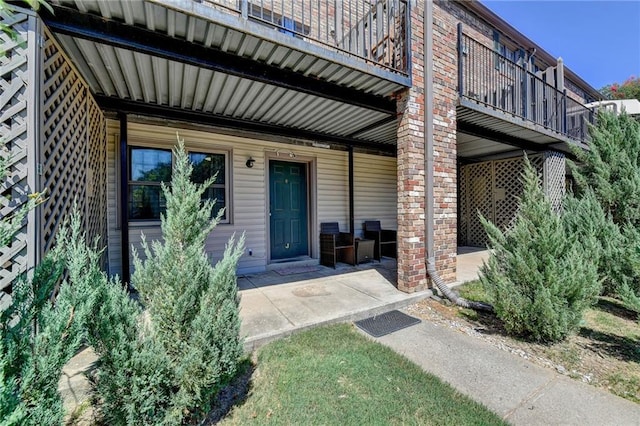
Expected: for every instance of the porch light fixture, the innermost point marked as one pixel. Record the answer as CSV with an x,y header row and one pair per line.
x,y
250,162
291,154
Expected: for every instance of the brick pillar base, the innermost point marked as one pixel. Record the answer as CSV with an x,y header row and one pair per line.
x,y
411,232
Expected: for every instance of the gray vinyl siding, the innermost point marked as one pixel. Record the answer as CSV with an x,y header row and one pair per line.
x,y
375,191
374,176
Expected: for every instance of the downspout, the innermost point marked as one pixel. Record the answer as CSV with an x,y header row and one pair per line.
x,y
429,221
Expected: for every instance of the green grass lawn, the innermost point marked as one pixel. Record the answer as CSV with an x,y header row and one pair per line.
x,y
335,375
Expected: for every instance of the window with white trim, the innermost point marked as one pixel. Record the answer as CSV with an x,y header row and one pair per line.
x,y
149,167
206,166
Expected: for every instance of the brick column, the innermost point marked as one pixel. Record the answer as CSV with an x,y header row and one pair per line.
x,y
445,96
411,156
411,233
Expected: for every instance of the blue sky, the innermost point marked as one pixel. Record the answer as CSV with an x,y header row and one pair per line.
x,y
598,40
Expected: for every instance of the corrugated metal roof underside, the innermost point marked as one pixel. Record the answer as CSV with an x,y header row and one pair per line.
x,y
385,133
273,48
498,121
469,146
135,76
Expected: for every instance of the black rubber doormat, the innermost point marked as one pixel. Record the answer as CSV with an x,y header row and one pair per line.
x,y
386,323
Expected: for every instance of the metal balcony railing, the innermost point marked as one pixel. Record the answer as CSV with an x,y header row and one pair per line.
x,y
489,78
374,30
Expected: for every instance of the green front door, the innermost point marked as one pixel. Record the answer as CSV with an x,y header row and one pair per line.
x,y
288,209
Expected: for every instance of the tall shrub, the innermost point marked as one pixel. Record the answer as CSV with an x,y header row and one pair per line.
x,y
539,278
133,382
610,168
38,335
188,344
617,253
39,331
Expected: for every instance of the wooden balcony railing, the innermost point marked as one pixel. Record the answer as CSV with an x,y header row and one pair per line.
x,y
497,82
374,30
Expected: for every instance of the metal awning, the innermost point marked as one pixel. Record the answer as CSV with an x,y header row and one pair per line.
x,y
188,60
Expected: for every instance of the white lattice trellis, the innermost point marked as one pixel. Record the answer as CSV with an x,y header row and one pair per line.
x,y
17,132
554,177
492,188
55,137
96,209
73,150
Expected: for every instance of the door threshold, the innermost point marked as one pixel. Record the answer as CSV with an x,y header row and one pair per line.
x,y
296,261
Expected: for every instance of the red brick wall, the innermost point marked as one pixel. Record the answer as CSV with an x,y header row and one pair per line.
x,y
411,104
411,232
445,92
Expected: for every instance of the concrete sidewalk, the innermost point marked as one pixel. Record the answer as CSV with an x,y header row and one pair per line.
x,y
514,388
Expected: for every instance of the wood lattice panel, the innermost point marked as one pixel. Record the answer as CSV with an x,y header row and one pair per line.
x,y
96,210
554,177
463,210
73,150
507,188
491,188
17,133
479,201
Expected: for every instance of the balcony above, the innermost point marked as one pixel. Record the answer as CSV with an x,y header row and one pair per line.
x,y
321,69
502,105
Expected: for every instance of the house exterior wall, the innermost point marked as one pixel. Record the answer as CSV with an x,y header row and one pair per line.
x,y
392,191
445,92
374,181
411,153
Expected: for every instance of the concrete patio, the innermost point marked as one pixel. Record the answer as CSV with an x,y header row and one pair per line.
x,y
273,305
469,261
293,297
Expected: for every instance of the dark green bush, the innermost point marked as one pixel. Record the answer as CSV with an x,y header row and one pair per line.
x,y
609,171
40,333
617,253
165,366
611,167
539,277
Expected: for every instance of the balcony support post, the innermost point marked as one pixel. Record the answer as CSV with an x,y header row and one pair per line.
x,y
525,89
460,61
564,111
244,8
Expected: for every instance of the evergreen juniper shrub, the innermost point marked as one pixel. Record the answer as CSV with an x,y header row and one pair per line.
x,y
539,277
